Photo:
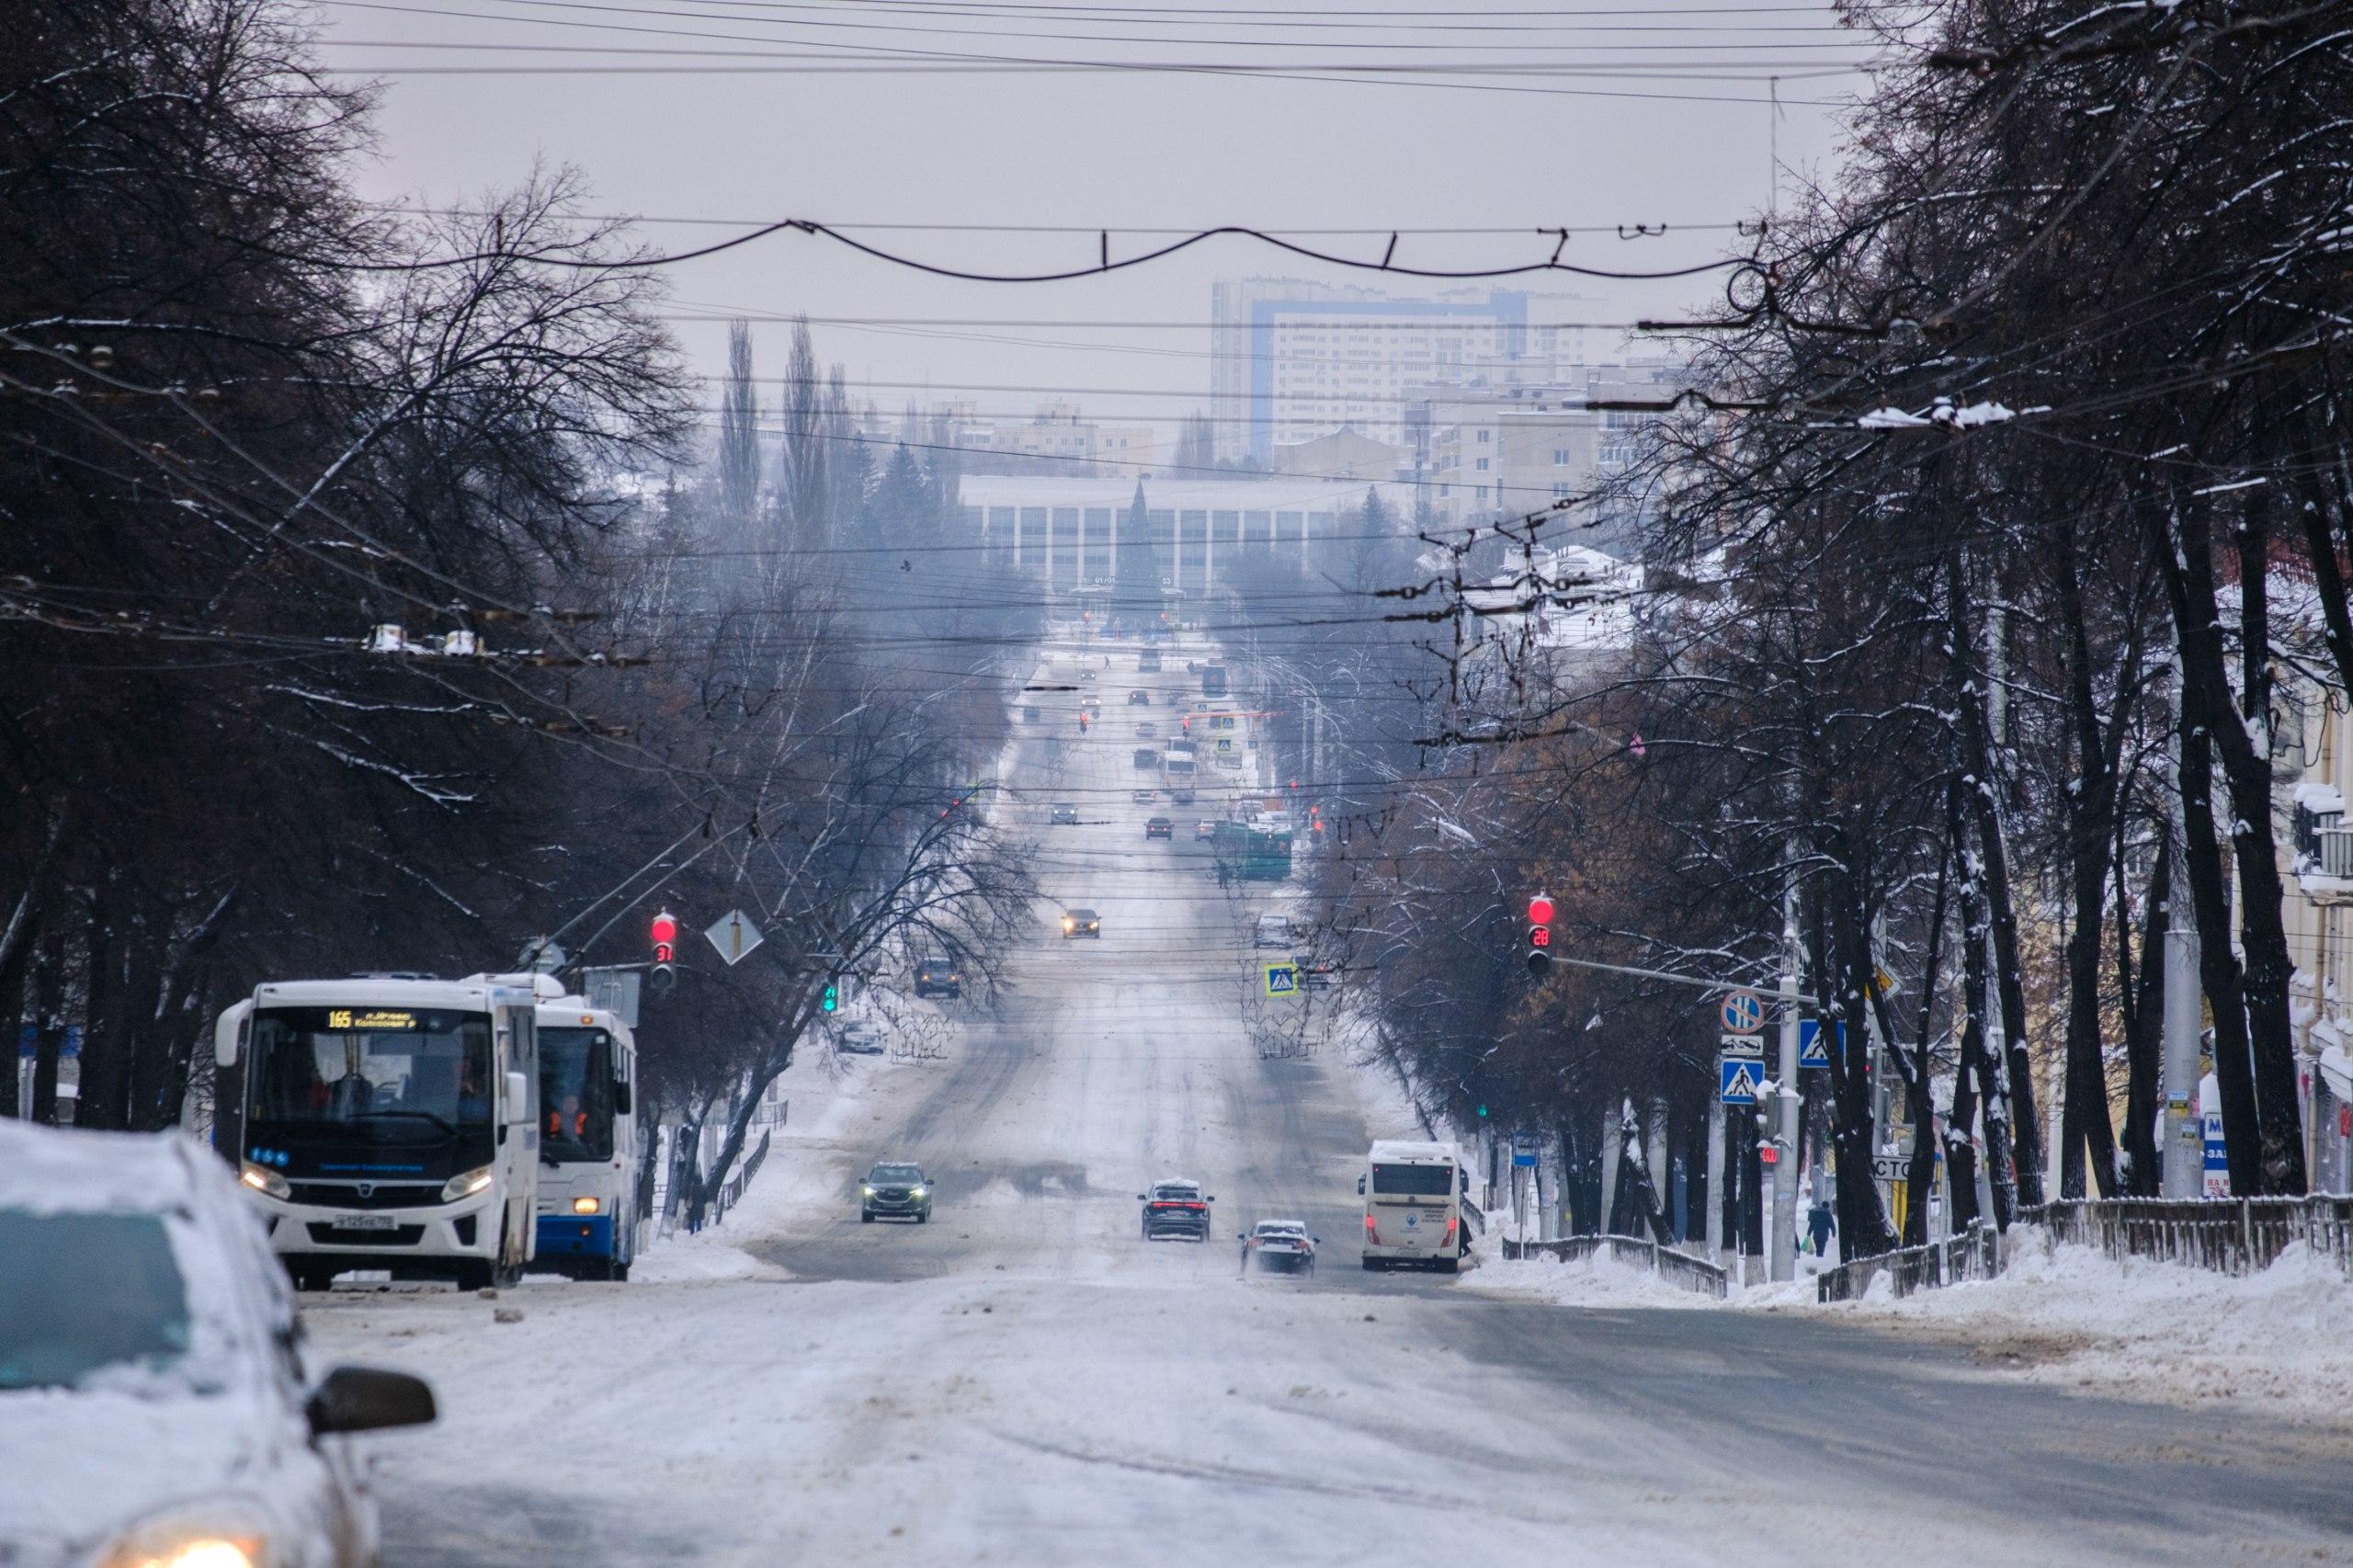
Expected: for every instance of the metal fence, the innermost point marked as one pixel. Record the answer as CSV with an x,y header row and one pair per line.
x,y
1975,1254
737,1180
2228,1235
1681,1268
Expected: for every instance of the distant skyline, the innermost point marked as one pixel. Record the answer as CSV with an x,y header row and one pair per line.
x,y
1139,153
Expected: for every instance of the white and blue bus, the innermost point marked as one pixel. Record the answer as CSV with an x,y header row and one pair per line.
x,y
589,1148
390,1122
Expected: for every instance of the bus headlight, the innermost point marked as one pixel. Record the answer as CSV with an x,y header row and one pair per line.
x,y
264,1180
585,1206
467,1182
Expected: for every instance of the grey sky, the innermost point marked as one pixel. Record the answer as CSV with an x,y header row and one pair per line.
x,y
1130,150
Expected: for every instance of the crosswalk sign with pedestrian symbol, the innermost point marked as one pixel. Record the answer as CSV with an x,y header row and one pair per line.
x,y
1283,978
1740,1079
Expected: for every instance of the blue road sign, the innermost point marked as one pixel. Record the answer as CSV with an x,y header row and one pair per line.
x,y
1283,978
1742,1079
1810,1053
1523,1150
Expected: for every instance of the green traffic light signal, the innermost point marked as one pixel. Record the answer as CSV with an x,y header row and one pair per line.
x,y
1482,1111
832,996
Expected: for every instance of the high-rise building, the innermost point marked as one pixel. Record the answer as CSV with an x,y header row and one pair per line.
x,y
1292,361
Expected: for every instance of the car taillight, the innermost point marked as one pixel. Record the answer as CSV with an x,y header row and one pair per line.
x,y
1196,1206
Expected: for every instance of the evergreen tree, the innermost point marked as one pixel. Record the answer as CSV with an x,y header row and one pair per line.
x,y
1137,578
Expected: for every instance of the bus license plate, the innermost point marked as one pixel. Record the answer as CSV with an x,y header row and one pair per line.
x,y
365,1222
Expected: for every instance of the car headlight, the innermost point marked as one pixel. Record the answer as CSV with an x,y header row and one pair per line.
x,y
226,1534
195,1552
264,1180
585,1206
867,1191
914,1192
467,1182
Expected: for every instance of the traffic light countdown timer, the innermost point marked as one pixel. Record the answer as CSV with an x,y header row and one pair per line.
x,y
664,934
1540,934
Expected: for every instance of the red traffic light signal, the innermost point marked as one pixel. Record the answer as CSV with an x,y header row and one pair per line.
x,y
665,937
1539,937
1539,911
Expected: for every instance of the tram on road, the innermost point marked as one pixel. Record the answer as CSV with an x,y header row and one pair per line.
x,y
588,1142
390,1122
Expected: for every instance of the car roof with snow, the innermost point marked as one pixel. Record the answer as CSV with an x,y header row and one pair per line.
x,y
1283,1227
1177,1183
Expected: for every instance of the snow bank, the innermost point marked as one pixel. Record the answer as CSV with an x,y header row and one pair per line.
x,y
1597,1282
2149,1330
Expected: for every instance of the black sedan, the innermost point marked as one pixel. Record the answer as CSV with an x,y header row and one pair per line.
x,y
1159,827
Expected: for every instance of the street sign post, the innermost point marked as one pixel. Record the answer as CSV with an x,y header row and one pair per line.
x,y
1748,1045
1282,979
1523,1149
1741,1078
734,936
1744,1013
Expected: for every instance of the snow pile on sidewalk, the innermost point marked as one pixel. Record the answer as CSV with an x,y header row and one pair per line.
x,y
1599,1280
2150,1330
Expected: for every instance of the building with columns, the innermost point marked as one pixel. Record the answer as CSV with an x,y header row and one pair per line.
x,y
1067,530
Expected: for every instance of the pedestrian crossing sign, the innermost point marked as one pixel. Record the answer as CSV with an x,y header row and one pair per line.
x,y
1283,978
1811,1053
1742,1078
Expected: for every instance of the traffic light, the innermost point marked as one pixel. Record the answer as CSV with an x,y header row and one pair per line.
x,y
833,1002
1540,934
664,934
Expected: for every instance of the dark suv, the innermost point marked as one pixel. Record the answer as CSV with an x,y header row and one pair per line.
x,y
891,1188
937,976
1175,1208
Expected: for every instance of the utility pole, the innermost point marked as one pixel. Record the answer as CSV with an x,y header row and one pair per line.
x,y
2183,1151
1715,1216
1781,1247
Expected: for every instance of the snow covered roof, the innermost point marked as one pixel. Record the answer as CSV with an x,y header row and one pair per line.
x,y
1405,1151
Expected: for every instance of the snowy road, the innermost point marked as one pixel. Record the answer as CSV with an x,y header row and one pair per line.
x,y
1024,1380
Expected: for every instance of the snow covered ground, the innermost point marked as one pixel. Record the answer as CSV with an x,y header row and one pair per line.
x,y
2274,1344
1026,1380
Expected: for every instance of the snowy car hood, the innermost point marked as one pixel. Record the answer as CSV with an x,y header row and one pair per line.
x,y
84,1466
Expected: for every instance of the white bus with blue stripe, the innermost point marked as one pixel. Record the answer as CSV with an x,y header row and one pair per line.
x,y
589,1148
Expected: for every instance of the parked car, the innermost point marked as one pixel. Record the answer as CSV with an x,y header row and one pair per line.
x,y
1281,1246
1065,813
857,1037
1271,931
1176,1207
1082,923
938,976
897,1189
1159,827
155,1406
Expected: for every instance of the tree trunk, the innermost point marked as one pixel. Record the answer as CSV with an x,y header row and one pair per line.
x,y
2143,1022
2256,1071
1993,858
1863,1229
49,1009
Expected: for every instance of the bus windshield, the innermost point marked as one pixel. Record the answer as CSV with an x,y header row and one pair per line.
x,y
380,1075
1414,1181
577,1093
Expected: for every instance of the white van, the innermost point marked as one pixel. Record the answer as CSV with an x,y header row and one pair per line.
x,y
1271,931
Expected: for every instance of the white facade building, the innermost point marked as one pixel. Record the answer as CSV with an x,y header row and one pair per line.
x,y
1067,529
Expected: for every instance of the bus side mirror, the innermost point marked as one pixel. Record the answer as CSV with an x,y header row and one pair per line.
x,y
1359,1186
229,1032
518,1097
621,1096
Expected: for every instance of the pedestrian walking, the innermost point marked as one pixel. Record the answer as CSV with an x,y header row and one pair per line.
x,y
1821,1223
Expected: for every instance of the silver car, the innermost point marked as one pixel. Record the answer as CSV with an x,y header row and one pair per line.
x,y
153,1403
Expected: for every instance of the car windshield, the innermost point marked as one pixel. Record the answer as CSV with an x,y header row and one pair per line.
x,y
895,1173
392,1074
577,1093
81,1294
